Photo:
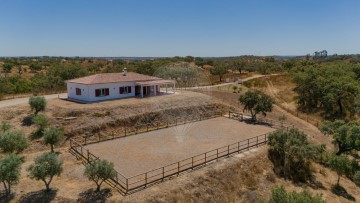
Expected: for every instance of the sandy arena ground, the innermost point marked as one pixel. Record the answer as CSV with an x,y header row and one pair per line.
x,y
146,151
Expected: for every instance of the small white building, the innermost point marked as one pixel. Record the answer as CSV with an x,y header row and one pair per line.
x,y
107,86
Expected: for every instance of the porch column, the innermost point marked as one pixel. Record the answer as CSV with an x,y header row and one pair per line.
x,y
155,89
141,91
166,88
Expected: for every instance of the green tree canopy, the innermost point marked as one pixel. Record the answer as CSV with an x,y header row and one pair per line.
x,y
99,171
53,136
256,102
332,88
13,141
46,166
10,168
219,70
346,136
37,103
339,163
291,152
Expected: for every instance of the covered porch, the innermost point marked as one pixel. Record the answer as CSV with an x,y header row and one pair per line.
x,y
154,88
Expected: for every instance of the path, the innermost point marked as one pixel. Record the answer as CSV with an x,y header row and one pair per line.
x,y
25,100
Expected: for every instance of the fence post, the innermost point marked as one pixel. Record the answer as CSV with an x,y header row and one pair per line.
x,y
88,158
178,168
205,158
127,184
145,179
257,141
228,151
238,147
248,144
192,163
217,154
163,173
265,139
125,130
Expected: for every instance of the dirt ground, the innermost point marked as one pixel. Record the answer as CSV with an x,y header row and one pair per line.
x,y
242,178
150,150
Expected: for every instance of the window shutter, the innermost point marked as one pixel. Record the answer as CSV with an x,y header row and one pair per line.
x,y
97,92
107,92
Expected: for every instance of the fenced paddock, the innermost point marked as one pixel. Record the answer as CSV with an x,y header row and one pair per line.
x,y
153,156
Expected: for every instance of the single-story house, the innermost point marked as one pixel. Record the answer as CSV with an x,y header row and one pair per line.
x,y
106,86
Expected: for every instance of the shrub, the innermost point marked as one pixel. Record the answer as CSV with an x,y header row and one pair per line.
x,y
280,195
357,178
4,126
37,103
46,166
13,141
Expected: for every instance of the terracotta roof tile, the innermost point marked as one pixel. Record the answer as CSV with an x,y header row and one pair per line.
x,y
113,78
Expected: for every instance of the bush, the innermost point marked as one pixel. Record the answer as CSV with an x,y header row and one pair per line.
x,y
99,171
46,166
4,126
37,103
13,141
280,195
357,178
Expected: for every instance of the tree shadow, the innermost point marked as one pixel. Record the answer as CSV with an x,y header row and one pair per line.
x,y
36,135
315,184
6,198
90,196
27,121
38,196
340,191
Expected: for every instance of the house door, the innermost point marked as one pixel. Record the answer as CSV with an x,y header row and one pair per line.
x,y
137,90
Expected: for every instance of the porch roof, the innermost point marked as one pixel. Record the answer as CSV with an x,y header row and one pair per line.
x,y
155,82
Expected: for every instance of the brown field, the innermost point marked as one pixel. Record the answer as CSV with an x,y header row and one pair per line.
x,y
242,178
150,150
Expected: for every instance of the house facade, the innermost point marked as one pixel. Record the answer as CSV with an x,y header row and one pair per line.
x,y
108,86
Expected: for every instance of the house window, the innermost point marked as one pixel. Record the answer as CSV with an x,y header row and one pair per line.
x,y
78,91
102,92
125,90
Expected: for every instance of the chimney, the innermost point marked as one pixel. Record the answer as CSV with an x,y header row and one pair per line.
x,y
125,72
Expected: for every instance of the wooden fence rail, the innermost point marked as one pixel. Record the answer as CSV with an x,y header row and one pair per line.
x,y
126,185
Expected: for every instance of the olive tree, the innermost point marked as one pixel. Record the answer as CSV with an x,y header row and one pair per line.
x,y
99,171
41,121
37,103
46,166
10,168
13,141
53,136
256,102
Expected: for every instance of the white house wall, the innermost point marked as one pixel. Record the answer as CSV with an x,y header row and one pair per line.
x,y
114,92
71,89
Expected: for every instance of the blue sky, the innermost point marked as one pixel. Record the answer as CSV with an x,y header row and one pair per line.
x,y
178,27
